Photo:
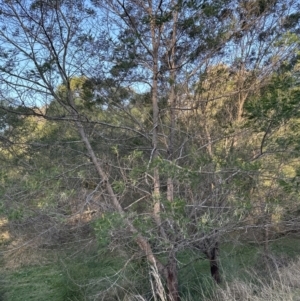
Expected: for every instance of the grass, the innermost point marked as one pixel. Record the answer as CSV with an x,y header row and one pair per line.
x,y
194,276
279,284
32,283
288,246
84,276
92,275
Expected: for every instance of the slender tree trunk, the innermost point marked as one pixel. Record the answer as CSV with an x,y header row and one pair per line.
x,y
212,253
155,108
140,240
266,239
172,103
172,278
266,230
172,270
214,263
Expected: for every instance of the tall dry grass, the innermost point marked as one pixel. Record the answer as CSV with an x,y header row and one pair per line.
x,y
272,282
275,283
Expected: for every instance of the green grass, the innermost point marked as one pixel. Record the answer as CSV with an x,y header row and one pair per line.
x,y
288,246
73,278
194,275
66,279
234,260
32,283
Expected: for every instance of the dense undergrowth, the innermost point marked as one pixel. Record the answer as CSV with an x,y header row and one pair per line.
x,y
69,275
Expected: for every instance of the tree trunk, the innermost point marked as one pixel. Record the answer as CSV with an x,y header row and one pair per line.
x,y
212,255
266,234
155,131
172,271
140,240
172,102
172,278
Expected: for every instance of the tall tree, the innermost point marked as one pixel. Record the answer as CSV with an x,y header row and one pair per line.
x,y
55,56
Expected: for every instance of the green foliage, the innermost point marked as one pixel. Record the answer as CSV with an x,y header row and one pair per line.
x,y
144,223
277,103
227,140
105,226
119,186
122,67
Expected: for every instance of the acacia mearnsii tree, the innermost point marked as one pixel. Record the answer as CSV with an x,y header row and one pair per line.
x,y
46,43
171,151
161,41
179,43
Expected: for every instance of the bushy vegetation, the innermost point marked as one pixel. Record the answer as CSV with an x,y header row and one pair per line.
x,y
149,149
248,274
